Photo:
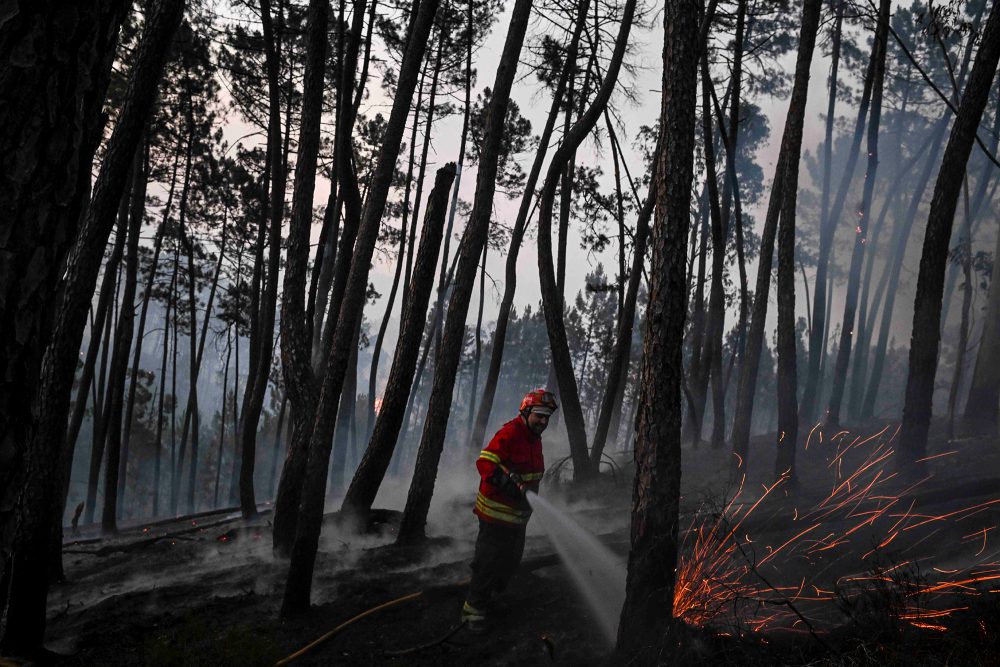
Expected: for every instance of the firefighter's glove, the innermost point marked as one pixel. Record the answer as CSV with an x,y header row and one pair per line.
x,y
509,483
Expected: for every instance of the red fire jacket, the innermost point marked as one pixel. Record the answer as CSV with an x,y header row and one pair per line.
x,y
519,450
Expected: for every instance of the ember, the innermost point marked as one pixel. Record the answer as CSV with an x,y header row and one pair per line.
x,y
733,572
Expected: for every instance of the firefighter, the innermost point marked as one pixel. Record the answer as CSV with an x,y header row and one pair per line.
x,y
511,465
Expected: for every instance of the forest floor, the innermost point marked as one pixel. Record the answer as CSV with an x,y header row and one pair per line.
x,y
853,566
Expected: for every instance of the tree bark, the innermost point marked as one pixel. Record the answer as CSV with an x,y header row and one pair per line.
x,y
371,471
896,265
717,298
785,179
475,236
517,237
59,79
963,331
258,381
553,305
123,342
611,403
102,322
930,281
304,390
788,425
827,222
38,506
299,584
863,216
649,589
296,346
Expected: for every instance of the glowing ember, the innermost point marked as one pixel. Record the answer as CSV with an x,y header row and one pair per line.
x,y
728,577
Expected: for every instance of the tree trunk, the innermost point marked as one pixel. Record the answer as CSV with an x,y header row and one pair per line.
x,y
371,471
59,79
258,381
123,342
697,377
102,322
613,392
828,222
310,515
479,339
717,297
649,589
157,463
38,507
785,179
963,331
222,418
930,281
553,306
400,262
140,335
981,405
470,250
788,424
896,265
182,238
277,446
304,391
861,230
517,236
404,259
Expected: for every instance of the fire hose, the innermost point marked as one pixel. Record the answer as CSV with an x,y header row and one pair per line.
x,y
536,563
332,633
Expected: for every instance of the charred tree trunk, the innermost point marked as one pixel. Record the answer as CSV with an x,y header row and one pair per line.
x,y
475,236
371,471
613,393
517,237
930,281
38,508
479,339
102,322
257,382
896,265
167,347
785,179
649,589
828,222
298,587
864,214
304,404
553,306
963,331
48,139
712,362
123,343
222,418
296,342
788,424
140,335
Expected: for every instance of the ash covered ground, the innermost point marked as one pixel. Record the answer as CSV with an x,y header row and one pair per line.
x,y
853,565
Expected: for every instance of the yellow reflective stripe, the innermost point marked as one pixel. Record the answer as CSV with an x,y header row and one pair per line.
x,y
500,516
501,507
470,613
532,476
489,456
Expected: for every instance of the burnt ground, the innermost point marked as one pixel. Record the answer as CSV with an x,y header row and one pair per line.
x,y
206,591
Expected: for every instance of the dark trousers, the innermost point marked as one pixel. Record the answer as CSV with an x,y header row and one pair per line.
x,y
498,553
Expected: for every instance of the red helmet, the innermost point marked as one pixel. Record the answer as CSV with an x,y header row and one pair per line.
x,y
540,400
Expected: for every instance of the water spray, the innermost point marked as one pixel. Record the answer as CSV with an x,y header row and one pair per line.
x,y
597,572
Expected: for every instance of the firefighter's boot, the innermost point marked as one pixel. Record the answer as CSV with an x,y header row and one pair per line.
x,y
474,619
